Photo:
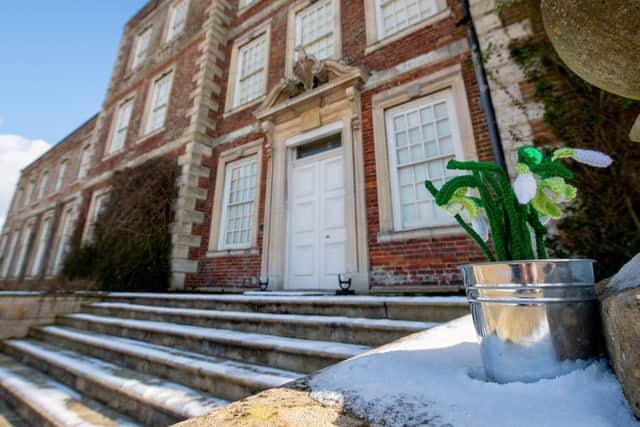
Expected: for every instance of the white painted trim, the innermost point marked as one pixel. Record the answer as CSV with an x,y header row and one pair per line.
x,y
447,96
316,134
253,158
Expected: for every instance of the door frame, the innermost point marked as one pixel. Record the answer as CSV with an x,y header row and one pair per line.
x,y
288,128
292,145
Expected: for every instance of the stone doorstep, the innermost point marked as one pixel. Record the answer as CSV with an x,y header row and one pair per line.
x,y
431,309
371,332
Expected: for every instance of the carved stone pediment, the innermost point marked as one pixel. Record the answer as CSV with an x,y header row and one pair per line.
x,y
310,78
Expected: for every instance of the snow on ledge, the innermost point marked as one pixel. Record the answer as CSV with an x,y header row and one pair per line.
x,y
436,378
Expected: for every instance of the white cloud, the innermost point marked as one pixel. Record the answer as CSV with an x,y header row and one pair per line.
x,y
16,152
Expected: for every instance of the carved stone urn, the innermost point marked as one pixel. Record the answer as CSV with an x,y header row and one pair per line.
x,y
600,41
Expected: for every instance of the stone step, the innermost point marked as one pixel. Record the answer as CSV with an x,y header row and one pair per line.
x,y
371,332
152,401
293,354
43,402
421,309
222,378
8,417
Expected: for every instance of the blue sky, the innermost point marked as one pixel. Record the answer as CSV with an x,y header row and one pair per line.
x,y
56,58
55,61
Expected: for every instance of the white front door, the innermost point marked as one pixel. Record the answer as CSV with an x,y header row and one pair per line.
x,y
317,235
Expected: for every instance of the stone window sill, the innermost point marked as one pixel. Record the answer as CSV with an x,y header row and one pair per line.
x,y
232,252
420,233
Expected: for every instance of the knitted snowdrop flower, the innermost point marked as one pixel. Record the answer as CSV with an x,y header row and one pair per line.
x,y
525,185
593,158
551,192
460,203
481,227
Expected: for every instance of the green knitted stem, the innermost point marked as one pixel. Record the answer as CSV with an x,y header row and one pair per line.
x,y
551,169
476,166
527,245
476,237
494,216
447,190
540,231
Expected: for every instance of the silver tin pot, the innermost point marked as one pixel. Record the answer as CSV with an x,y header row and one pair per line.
x,y
536,319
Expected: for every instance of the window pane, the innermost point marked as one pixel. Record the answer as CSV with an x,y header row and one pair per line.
x,y
423,145
159,103
400,14
251,84
241,177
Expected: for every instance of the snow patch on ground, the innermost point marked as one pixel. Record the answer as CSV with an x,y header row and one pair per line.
x,y
435,378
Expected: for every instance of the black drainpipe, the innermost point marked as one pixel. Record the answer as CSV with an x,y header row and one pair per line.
x,y
481,77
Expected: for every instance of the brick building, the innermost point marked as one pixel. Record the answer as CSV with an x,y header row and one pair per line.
x,y
283,179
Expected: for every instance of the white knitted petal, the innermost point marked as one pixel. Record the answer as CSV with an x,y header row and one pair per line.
x,y
593,158
480,226
525,187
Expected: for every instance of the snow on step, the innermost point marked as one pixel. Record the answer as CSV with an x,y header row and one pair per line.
x,y
179,399
341,321
54,400
246,339
240,372
339,300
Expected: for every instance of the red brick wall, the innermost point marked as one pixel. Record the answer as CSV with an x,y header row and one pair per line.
x,y
413,262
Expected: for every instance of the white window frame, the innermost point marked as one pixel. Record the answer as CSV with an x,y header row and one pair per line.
x,y
3,249
449,78
85,161
218,217
375,25
234,70
13,245
28,196
394,167
20,265
44,234
16,203
64,235
293,32
230,166
44,180
62,172
174,27
163,108
122,119
299,16
239,78
98,200
139,53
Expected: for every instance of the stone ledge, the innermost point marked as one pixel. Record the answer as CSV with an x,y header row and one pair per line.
x,y
291,406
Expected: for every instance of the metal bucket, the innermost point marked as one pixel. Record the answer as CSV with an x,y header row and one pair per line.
x,y
536,319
